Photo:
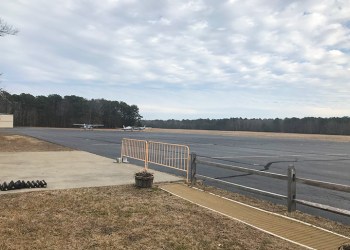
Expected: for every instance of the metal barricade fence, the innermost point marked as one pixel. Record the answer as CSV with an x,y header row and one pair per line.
x,y
169,155
164,154
135,149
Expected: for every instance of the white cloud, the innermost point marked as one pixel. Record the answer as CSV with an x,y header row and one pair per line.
x,y
207,58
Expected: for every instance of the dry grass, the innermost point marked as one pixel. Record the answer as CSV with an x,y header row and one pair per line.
x,y
17,143
122,217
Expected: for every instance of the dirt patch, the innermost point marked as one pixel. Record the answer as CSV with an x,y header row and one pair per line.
x,y
18,143
337,138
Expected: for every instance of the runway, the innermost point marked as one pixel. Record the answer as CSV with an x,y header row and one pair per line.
x,y
314,159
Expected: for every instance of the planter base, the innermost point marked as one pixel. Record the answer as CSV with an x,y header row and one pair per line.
x,y
144,182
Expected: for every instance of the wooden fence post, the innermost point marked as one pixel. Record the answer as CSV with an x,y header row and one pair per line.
x,y
291,189
193,168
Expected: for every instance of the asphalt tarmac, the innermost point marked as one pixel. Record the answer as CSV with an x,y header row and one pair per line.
x,y
314,159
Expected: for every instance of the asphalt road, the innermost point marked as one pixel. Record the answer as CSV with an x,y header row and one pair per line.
x,y
314,159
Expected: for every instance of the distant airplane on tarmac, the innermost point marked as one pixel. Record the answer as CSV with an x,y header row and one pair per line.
x,y
139,128
87,126
130,128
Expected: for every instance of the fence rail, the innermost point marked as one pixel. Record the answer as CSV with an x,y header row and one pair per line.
x,y
324,207
291,186
255,190
323,184
245,170
164,154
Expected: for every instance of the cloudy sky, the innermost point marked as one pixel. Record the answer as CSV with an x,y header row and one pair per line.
x,y
184,59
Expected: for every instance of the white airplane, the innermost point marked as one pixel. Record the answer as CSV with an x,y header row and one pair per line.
x,y
130,128
139,128
88,126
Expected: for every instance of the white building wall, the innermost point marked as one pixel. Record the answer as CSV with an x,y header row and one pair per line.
x,y
6,121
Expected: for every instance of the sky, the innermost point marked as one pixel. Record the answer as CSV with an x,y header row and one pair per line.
x,y
184,59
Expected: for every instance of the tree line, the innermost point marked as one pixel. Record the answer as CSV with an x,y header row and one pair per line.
x,y
57,111
307,125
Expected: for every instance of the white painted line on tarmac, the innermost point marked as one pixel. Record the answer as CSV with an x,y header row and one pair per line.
x,y
256,156
337,154
201,144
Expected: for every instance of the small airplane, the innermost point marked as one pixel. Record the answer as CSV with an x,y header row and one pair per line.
x,y
139,128
130,128
87,126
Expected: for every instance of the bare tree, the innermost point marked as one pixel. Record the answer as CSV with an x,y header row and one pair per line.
x,y
6,29
2,95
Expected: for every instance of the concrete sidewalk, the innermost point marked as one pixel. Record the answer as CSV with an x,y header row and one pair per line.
x,y
69,169
300,233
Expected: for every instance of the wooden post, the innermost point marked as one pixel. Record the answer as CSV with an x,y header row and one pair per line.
x,y
193,168
291,189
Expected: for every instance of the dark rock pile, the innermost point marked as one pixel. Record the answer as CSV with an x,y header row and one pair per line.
x,y
22,184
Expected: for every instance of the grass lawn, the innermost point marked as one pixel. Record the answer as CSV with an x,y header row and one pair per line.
x,y
120,217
